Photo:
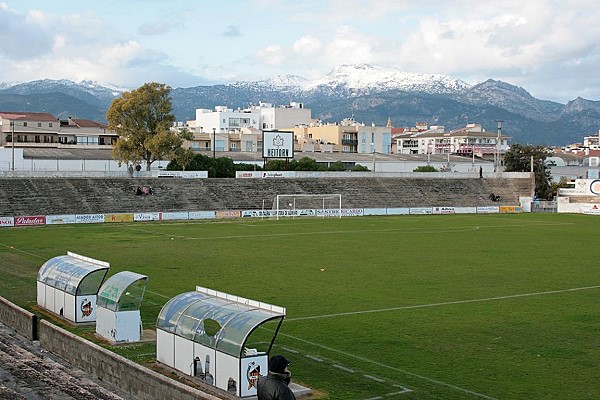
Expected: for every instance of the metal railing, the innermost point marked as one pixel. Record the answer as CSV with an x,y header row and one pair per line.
x,y
543,206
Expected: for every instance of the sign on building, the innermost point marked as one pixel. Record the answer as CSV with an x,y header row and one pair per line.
x,y
278,144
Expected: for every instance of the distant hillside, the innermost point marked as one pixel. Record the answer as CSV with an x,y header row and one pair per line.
x,y
371,94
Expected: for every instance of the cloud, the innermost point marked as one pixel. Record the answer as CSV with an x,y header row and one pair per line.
x,y
154,28
20,37
272,55
306,45
231,31
80,47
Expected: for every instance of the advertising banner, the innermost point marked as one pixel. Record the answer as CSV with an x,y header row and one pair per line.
x,y
227,214
30,220
374,211
352,212
257,213
510,209
593,209
594,187
465,210
444,210
175,215
7,221
202,215
488,210
60,219
398,211
420,210
118,217
180,174
151,216
89,218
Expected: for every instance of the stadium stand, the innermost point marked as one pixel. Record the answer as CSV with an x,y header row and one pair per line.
x,y
51,196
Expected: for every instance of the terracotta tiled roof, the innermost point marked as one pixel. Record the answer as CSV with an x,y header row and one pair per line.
x,y
88,123
30,116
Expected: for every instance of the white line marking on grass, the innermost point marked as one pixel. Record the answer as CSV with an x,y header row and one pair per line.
x,y
346,369
402,391
22,251
290,350
363,359
286,234
375,398
418,230
512,296
314,358
374,378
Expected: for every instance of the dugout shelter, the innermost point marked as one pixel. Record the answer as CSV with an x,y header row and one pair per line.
x,y
68,286
204,334
118,317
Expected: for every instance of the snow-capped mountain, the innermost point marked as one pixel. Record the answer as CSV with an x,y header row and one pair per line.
x,y
88,91
370,77
370,93
365,78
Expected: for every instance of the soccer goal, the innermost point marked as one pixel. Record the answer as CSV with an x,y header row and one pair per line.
x,y
307,205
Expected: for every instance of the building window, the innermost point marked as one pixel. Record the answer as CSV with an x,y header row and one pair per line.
x,y
24,123
49,124
39,124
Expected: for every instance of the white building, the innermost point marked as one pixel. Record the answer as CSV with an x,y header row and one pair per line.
x,y
262,117
225,120
470,140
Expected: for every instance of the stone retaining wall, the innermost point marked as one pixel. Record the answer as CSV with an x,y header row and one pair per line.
x,y
19,319
140,382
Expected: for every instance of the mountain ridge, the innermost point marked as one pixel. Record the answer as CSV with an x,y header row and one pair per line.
x,y
371,94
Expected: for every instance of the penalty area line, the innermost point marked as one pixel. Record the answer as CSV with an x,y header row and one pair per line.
x,y
363,359
447,303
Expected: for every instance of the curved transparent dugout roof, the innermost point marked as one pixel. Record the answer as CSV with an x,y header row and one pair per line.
x,y
74,274
124,291
215,319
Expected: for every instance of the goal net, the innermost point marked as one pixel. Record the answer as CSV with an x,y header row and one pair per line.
x,y
307,205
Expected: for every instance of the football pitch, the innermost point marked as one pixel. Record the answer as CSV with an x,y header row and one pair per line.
x,y
498,306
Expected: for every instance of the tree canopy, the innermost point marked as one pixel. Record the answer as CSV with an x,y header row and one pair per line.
x,y
518,159
224,167
143,119
425,168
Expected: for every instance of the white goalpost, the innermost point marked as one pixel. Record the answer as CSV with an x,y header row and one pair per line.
x,y
307,205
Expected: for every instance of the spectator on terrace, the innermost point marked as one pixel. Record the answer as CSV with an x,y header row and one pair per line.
x,y
138,191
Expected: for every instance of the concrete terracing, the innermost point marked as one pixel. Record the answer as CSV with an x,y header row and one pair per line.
x,y
50,196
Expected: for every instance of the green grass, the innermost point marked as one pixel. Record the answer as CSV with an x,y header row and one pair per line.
x,y
450,307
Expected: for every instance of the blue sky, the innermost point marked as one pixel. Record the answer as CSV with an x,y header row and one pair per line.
x,y
550,48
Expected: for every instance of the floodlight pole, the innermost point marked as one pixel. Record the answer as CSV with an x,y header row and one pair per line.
x,y
497,155
12,129
214,145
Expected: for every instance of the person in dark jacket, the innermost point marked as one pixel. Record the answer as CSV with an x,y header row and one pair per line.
x,y
274,386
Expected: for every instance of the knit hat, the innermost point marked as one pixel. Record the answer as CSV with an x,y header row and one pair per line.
x,y
278,364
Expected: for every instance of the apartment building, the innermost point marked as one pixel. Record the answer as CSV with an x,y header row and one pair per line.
x,y
471,140
348,136
34,129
